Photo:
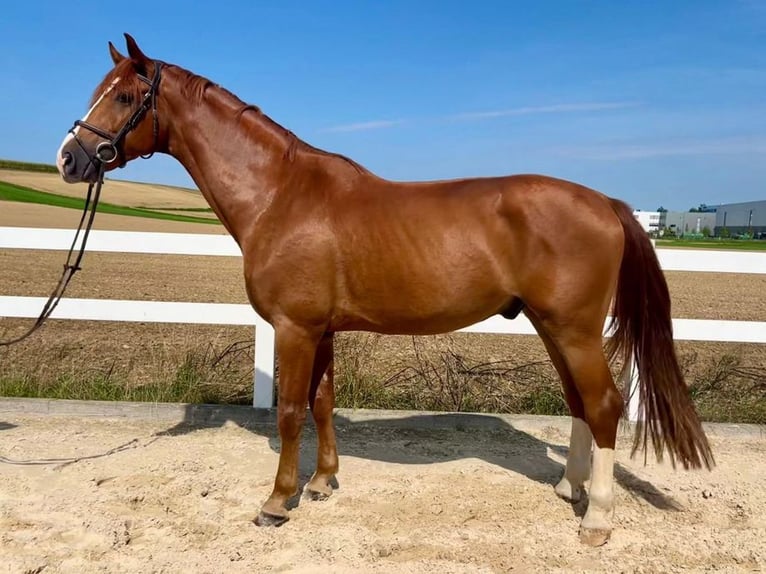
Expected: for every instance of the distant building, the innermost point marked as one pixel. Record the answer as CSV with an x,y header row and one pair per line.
x,y
736,218
683,222
649,220
740,218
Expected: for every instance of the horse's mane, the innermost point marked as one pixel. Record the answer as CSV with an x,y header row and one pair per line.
x,y
196,87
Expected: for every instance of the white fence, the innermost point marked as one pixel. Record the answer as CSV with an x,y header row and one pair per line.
x,y
243,314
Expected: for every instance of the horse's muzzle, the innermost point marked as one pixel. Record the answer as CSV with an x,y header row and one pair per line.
x,y
75,165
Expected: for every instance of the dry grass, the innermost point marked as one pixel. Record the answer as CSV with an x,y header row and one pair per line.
x,y
127,361
459,372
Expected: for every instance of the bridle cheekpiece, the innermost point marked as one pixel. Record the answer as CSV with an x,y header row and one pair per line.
x,y
110,150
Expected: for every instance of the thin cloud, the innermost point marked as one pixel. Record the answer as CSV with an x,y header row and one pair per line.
x,y
551,109
724,146
467,116
363,126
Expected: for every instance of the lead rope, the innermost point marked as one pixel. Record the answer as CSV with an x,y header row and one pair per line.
x,y
70,268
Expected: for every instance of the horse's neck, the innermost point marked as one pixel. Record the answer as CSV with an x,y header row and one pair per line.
x,y
236,167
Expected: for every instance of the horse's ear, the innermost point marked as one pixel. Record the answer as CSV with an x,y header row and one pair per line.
x,y
115,54
134,51
140,61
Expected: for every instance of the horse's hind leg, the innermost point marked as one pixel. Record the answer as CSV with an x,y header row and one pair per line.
x,y
322,402
575,345
602,407
577,470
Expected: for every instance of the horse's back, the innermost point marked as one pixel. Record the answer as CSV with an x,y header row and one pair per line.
x,y
463,250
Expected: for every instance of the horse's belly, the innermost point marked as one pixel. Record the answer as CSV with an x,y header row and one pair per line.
x,y
425,304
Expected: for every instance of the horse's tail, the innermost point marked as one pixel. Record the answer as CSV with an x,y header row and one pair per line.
x,y
645,333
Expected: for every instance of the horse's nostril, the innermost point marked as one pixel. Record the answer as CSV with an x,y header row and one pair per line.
x,y
68,162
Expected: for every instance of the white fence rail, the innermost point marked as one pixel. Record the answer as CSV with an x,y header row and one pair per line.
x,y
243,314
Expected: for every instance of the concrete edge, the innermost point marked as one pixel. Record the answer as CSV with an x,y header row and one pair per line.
x,y
206,415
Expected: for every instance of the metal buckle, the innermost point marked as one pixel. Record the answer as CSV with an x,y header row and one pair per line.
x,y
109,147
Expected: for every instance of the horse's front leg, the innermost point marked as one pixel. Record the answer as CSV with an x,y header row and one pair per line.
x,y
296,348
322,402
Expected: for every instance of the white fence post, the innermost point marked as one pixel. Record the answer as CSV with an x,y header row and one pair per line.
x,y
263,379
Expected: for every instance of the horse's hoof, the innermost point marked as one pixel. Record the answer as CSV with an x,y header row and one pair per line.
x,y
317,492
594,536
566,491
268,519
315,495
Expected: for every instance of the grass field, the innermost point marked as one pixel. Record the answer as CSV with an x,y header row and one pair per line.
x,y
27,166
11,192
714,243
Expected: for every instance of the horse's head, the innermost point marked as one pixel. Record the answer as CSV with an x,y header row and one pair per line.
x,y
122,122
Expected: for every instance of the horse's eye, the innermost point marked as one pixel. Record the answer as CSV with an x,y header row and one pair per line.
x,y
124,98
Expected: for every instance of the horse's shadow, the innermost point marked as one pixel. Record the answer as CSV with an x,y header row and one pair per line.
x,y
428,438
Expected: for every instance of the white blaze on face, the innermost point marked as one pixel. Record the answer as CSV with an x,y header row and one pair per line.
x,y
69,137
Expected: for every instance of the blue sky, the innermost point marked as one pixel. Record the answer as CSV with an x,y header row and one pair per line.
x,y
658,103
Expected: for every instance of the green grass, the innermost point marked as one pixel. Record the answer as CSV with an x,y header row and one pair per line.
x,y
11,192
190,209
50,168
727,244
185,387
201,374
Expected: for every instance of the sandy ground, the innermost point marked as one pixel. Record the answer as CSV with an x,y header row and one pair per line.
x,y
107,495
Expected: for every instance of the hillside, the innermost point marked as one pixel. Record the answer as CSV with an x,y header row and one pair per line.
x,y
34,195
124,193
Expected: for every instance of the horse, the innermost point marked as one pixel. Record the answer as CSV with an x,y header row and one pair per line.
x,y
329,246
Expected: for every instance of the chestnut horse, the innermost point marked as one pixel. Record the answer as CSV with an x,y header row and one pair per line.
x,y
328,246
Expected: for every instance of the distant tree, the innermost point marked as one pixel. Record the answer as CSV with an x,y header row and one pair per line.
x,y
724,233
706,231
702,208
661,209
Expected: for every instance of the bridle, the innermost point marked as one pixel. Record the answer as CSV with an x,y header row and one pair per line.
x,y
106,153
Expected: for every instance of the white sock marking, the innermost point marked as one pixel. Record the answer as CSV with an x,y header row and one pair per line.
x,y
601,495
578,460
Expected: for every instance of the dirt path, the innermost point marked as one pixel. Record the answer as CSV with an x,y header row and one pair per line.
x,y
159,498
